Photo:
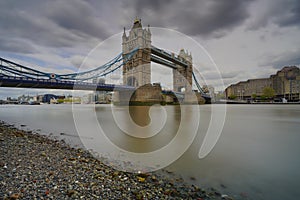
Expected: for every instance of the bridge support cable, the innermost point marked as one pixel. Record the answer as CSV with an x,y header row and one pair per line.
x,y
20,68
89,73
12,69
118,63
206,96
197,84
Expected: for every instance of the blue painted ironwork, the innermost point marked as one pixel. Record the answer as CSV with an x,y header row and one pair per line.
x,y
15,75
9,68
10,81
167,56
158,60
170,60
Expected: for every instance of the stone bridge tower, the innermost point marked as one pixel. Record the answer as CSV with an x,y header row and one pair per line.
x,y
137,71
182,76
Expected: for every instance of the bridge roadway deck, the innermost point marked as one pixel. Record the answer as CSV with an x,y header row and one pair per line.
x,y
58,84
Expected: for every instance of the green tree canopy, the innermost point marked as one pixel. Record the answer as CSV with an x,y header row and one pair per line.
x,y
268,92
232,96
254,96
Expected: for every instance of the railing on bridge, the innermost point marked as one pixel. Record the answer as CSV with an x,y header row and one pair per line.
x,y
9,68
16,75
170,57
6,81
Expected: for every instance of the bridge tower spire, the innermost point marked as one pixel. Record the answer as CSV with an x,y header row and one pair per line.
x,y
137,71
183,76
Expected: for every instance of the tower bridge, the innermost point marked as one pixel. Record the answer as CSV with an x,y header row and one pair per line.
x,y
134,61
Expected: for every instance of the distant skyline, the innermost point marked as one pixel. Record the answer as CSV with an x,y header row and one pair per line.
x,y
246,39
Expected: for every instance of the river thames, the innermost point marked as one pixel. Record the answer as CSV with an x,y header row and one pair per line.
x,y
256,156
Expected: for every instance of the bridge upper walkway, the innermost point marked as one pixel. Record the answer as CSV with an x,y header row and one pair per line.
x,y
15,75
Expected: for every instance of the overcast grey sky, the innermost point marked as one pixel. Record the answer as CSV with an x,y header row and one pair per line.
x,y
246,39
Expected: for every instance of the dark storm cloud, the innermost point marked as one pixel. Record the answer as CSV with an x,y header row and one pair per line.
x,y
290,14
78,15
69,23
50,24
208,18
288,58
283,13
37,29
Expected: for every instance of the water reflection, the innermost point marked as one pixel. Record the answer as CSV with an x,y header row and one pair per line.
x,y
142,116
257,152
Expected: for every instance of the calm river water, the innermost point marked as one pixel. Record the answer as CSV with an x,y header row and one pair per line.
x,y
256,157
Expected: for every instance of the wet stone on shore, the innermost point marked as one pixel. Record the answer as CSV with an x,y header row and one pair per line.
x,y
33,166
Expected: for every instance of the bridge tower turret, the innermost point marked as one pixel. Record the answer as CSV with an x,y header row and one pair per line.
x,y
137,71
182,76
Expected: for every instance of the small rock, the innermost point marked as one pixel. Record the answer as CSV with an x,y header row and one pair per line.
x,y
143,175
116,173
141,179
71,192
15,196
19,134
139,196
226,197
72,159
84,160
217,193
51,173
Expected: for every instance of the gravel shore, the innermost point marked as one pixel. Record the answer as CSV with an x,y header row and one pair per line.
x,y
33,166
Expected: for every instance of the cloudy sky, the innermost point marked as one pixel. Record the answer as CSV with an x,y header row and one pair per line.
x,y
245,39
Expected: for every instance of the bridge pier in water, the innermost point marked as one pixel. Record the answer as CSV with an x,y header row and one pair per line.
x,y
147,94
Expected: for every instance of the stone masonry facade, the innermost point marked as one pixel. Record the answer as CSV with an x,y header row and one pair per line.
x,y
286,84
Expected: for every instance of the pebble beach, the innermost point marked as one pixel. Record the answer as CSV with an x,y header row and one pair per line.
x,y
34,166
